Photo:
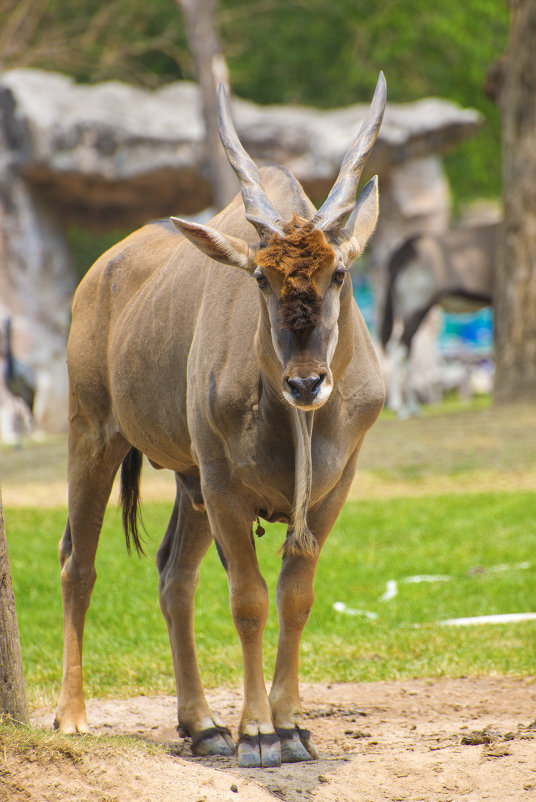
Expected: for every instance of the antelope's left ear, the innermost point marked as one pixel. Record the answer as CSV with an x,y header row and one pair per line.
x,y
221,247
361,223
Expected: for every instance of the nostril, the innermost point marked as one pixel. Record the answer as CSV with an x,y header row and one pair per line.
x,y
294,385
315,387
305,389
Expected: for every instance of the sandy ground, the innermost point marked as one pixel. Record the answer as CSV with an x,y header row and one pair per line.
x,y
468,739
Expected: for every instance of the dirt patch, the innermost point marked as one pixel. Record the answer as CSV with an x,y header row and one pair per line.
x,y
452,739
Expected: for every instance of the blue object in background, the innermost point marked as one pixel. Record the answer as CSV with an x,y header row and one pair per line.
x,y
468,332
463,332
364,298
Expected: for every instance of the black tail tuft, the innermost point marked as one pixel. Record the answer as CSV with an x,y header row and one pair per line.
x,y
130,499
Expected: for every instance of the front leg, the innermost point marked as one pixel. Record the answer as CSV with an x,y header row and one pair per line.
x,y
248,595
295,597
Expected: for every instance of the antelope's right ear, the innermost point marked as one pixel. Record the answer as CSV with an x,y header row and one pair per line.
x,y
221,247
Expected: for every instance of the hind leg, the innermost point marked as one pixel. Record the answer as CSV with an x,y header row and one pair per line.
x,y
93,463
185,544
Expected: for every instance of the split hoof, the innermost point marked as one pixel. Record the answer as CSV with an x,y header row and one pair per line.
x,y
71,725
256,751
212,741
296,745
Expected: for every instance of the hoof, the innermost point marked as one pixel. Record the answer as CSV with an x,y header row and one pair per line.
x,y
71,725
256,751
296,745
212,741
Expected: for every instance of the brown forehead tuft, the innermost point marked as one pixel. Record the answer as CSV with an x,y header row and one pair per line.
x,y
297,259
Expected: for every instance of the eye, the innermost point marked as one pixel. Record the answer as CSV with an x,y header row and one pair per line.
x,y
338,277
261,279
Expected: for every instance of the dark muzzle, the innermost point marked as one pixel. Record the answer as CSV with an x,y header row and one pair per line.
x,y
304,391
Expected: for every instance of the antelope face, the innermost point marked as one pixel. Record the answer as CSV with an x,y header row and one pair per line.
x,y
301,278
300,266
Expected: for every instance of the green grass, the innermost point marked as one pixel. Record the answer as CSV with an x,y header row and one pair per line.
x,y
462,536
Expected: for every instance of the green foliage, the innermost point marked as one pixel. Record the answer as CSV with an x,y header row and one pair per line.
x,y
478,540
329,54
125,40
86,246
317,52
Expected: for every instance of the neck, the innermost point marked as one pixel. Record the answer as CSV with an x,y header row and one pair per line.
x,y
345,343
7,347
300,539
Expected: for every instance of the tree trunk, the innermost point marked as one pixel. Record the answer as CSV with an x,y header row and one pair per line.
x,y
211,69
515,293
12,693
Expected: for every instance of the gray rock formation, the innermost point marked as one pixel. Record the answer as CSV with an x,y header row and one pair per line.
x,y
112,155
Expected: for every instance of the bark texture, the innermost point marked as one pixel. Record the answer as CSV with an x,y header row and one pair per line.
x,y
515,306
12,693
211,70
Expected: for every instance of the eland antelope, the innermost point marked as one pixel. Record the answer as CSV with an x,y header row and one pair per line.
x,y
455,270
234,355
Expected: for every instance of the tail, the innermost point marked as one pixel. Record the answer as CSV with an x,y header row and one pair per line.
x,y
300,541
130,499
